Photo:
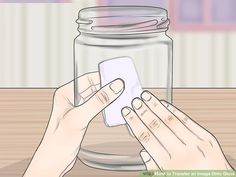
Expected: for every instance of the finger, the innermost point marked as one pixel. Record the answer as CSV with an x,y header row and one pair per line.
x,y
166,137
130,131
148,161
102,98
186,120
88,93
86,84
88,80
144,136
174,124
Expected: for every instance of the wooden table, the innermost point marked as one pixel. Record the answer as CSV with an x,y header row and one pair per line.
x,y
24,114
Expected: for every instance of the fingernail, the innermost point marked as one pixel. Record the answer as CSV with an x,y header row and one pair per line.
x,y
125,111
117,86
145,156
146,96
93,88
137,103
143,150
165,103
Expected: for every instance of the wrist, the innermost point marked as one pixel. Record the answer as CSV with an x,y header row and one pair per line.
x,y
50,159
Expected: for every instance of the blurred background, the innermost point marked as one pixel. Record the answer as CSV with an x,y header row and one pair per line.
x,y
36,40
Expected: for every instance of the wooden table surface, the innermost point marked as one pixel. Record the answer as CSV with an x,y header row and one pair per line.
x,y
24,114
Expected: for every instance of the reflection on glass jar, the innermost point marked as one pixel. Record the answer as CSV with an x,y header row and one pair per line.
x,y
138,32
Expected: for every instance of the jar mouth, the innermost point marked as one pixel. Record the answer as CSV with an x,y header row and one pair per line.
x,y
105,20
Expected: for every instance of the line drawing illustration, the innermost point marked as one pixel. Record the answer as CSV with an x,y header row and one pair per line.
x,y
120,114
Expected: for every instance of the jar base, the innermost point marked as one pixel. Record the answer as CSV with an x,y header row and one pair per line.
x,y
112,161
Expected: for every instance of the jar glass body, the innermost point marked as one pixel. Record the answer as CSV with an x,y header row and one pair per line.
x,y
151,54
106,147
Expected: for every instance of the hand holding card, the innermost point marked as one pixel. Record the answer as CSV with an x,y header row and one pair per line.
x,y
123,68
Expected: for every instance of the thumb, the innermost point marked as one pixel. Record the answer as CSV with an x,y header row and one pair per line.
x,y
148,161
104,97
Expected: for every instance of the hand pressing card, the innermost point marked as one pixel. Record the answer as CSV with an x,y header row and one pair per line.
x,y
121,67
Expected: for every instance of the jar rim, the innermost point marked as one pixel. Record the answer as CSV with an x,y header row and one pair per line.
x,y
122,19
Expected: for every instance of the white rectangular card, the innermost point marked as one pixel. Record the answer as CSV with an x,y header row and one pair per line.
x,y
124,68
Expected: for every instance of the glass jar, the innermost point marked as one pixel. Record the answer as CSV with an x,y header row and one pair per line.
x,y
138,32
